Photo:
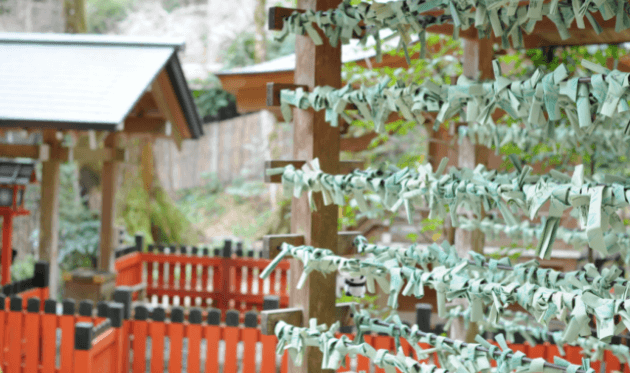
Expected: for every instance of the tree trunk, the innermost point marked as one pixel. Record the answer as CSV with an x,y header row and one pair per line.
x,y
75,14
260,51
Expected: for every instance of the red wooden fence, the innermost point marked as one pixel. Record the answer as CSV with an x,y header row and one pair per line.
x,y
200,280
220,346
29,336
202,344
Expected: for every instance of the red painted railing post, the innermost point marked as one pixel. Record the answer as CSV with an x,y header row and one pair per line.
x,y
122,295
32,336
66,323
14,331
49,336
231,337
176,336
213,336
194,341
251,335
116,315
224,277
140,328
157,330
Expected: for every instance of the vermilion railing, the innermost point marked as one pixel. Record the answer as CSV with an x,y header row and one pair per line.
x,y
187,276
113,344
29,336
219,344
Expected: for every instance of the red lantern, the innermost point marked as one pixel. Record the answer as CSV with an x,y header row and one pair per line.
x,y
14,177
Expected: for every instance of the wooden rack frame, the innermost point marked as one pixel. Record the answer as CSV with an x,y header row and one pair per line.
x,y
314,138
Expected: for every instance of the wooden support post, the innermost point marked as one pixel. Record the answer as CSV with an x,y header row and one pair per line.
x,y
477,64
314,138
108,211
49,217
7,246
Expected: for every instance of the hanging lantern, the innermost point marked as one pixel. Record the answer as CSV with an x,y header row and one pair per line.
x,y
14,177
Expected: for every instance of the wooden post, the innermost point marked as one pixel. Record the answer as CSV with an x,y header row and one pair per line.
x,y
314,138
108,211
49,217
7,246
477,64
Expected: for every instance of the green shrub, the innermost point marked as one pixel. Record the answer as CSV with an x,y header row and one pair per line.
x,y
23,268
102,15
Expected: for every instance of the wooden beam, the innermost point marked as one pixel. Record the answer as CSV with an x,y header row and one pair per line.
x,y
169,106
146,107
545,32
344,314
39,152
64,155
295,317
278,14
273,91
152,126
100,155
269,318
357,144
272,243
345,242
345,167
49,217
108,210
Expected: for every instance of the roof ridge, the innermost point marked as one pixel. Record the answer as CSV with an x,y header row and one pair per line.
x,y
89,39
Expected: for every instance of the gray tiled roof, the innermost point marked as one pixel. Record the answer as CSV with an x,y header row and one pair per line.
x,y
83,81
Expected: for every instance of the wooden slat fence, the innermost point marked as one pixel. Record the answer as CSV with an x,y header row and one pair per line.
x,y
117,339
188,276
204,344
36,341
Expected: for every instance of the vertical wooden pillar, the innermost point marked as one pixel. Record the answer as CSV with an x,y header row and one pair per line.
x,y
7,246
49,217
314,138
477,64
439,148
108,211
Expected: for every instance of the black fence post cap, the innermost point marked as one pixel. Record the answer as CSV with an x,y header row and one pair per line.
x,y
194,317
50,306
33,305
251,319
177,314
85,307
101,308
214,316
42,274
122,295
227,248
158,314
68,306
231,318
141,312
271,302
83,336
423,316
116,314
